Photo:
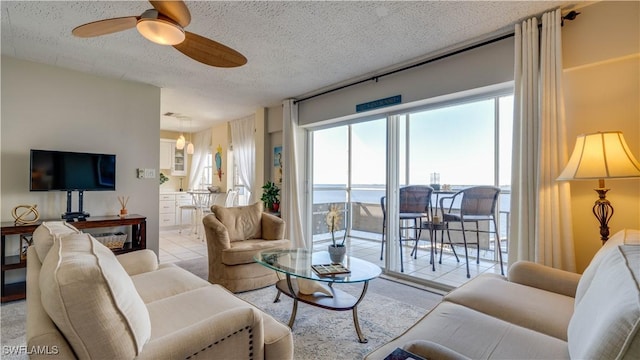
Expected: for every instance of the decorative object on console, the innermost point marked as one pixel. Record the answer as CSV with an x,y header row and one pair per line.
x,y
601,155
123,205
337,251
22,217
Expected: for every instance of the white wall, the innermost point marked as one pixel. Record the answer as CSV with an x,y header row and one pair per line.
x,y
46,107
601,51
487,65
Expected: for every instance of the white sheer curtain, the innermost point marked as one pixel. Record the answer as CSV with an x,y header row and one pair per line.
x,y
541,218
201,146
291,202
244,153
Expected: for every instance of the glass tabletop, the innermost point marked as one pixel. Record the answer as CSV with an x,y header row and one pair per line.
x,y
297,262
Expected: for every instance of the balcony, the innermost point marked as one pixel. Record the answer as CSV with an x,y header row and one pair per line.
x,y
365,236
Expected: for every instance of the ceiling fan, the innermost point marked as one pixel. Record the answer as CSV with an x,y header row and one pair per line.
x,y
164,25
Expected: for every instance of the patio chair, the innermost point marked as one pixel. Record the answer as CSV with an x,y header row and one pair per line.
x,y
477,204
415,202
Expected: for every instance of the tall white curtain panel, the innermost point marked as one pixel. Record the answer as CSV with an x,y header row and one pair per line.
x,y
201,146
555,235
292,199
540,228
244,153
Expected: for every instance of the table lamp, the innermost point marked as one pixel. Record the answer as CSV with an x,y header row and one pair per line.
x,y
601,155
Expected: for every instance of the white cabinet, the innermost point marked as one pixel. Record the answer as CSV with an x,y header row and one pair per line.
x,y
170,208
172,158
165,153
167,209
179,165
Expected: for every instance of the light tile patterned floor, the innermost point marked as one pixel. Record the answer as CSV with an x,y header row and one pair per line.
x,y
176,246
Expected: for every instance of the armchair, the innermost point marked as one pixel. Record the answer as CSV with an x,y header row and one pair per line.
x,y
234,236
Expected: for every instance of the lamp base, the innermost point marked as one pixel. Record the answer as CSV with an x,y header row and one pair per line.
x,y
603,210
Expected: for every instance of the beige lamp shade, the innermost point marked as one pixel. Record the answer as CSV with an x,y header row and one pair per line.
x,y
601,155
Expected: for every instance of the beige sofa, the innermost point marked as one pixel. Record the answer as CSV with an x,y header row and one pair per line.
x,y
84,302
538,312
234,236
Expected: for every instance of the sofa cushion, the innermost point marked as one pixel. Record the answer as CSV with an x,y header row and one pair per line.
x,y
625,236
475,335
44,235
242,222
183,310
530,307
606,322
92,300
166,282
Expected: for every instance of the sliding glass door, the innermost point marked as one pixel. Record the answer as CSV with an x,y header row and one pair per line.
x,y
448,146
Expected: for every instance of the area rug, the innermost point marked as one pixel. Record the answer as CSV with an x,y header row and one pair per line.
x,y
387,310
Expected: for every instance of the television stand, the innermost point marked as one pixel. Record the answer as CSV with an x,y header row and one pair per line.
x,y
80,215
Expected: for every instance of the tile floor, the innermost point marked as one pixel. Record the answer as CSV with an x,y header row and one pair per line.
x,y
177,246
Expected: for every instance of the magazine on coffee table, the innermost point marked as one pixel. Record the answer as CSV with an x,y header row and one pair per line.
x,y
330,269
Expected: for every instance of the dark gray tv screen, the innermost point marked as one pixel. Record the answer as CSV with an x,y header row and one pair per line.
x,y
70,171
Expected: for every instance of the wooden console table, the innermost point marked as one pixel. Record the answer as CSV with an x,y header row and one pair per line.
x,y
17,291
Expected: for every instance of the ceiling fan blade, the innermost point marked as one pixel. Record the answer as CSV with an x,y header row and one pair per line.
x,y
104,27
176,10
210,52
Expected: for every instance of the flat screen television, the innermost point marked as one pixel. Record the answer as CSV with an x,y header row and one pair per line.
x,y
72,171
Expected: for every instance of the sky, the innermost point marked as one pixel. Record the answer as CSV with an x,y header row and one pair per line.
x,y
457,142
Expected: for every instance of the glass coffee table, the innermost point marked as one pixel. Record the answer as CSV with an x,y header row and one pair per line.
x,y
297,263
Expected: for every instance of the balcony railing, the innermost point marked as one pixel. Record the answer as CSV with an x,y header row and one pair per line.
x,y
365,217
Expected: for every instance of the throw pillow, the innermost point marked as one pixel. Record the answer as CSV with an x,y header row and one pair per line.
x,y
242,222
45,234
92,300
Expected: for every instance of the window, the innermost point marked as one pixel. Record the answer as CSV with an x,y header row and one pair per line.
x,y
207,171
466,143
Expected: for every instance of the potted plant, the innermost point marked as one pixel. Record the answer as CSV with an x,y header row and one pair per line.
x,y
337,250
270,194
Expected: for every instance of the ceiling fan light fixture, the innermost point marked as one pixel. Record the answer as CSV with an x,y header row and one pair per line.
x,y
159,29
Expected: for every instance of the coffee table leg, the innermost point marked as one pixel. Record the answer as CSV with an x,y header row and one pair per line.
x,y
356,323
294,310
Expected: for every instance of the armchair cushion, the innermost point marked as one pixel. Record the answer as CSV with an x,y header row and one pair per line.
x,y
92,300
242,222
242,252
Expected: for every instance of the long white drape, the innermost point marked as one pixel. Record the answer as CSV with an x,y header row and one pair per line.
x,y
244,152
541,218
291,203
201,146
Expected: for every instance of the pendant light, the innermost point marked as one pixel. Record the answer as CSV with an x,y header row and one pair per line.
x,y
181,141
190,146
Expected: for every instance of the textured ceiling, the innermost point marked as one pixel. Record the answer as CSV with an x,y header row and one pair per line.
x,y
293,48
